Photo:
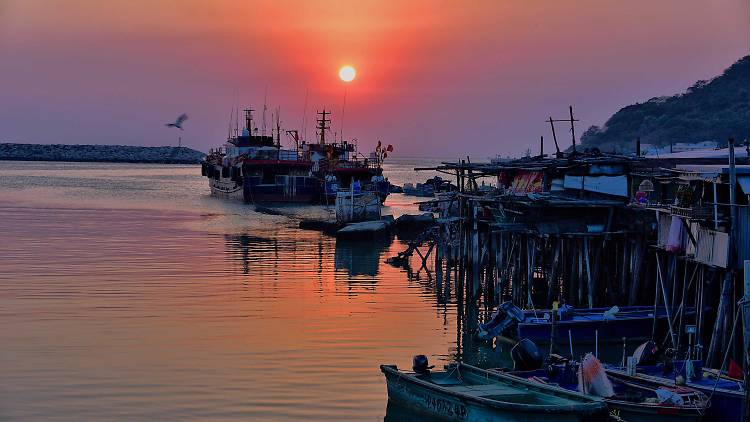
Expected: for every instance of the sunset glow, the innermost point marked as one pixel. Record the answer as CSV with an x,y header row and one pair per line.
x,y
435,71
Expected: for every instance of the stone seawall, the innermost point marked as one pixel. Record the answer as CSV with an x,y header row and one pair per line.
x,y
101,153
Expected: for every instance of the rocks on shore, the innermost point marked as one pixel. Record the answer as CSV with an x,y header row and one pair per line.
x,y
100,153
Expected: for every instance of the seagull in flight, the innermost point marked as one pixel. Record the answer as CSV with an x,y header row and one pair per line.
x,y
178,123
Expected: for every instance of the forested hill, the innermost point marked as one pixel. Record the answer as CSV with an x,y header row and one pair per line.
x,y
712,110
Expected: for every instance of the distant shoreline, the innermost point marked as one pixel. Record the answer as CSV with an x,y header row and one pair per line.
x,y
99,154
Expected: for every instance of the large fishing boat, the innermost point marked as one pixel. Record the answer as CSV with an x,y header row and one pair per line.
x,y
342,167
254,168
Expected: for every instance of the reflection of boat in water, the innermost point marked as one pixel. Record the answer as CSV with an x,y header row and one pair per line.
x,y
359,258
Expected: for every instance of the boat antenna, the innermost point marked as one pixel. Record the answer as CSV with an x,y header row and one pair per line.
x,y
343,109
237,113
304,115
265,103
229,126
323,125
278,127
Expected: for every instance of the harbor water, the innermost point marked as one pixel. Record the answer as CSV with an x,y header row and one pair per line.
x,y
127,292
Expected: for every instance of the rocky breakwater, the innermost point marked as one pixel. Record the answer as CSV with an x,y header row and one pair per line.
x,y
101,153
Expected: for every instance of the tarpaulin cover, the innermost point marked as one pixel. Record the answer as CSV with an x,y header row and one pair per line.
x,y
527,182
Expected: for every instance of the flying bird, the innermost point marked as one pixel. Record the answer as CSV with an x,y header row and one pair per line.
x,y
178,123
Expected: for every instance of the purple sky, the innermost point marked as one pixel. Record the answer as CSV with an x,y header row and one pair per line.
x,y
433,78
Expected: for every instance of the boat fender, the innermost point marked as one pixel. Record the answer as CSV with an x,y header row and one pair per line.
x,y
526,356
646,354
611,313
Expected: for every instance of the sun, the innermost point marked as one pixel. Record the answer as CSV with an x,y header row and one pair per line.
x,y
347,73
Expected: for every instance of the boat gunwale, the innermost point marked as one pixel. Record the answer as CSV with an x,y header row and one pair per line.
x,y
587,404
666,382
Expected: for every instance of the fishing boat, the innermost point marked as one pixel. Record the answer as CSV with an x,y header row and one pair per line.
x,y
628,399
726,394
463,392
342,167
256,169
586,325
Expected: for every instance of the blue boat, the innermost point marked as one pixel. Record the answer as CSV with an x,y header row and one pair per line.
x,y
726,394
585,325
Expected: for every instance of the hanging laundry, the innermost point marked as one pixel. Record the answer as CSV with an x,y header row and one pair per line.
x,y
676,240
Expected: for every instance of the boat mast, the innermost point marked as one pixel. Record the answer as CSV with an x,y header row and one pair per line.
x,y
278,128
249,120
323,125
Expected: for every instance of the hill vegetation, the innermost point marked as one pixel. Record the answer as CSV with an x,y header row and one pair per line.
x,y
712,110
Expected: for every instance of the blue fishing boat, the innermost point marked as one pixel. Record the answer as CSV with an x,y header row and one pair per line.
x,y
627,399
726,394
463,392
585,325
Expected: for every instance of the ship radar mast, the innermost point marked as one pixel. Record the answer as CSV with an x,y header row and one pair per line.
x,y
249,120
323,125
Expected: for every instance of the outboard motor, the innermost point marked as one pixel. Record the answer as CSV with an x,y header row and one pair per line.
x,y
526,356
420,365
505,316
646,354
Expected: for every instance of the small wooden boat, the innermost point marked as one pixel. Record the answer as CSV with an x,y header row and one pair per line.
x,y
466,393
726,393
633,400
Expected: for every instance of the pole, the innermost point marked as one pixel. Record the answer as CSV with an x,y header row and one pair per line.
x,y
343,109
554,136
541,146
746,340
732,206
572,128
716,208
638,147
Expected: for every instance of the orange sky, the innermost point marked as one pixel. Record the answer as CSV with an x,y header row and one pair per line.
x,y
434,78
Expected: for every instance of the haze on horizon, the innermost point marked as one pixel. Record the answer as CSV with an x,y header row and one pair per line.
x,y
433,78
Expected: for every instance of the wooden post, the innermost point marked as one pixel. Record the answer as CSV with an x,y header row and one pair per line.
x,y
590,287
746,340
439,263
716,338
475,286
552,289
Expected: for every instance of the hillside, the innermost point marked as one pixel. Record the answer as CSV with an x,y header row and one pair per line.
x,y
102,153
712,110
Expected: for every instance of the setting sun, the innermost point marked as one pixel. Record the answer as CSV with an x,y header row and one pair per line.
x,y
347,73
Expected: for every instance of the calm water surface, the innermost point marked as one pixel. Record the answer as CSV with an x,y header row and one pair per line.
x,y
129,293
